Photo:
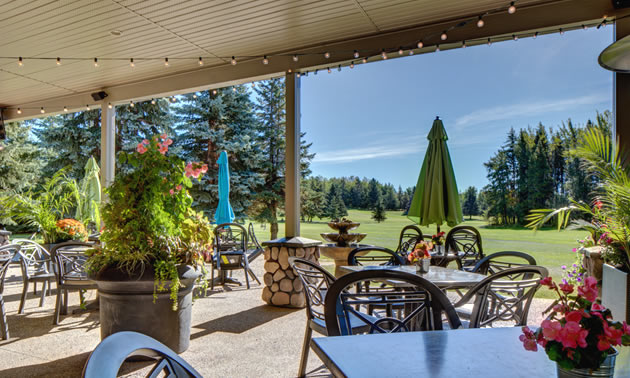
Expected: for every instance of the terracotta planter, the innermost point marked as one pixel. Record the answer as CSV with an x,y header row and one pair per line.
x,y
615,292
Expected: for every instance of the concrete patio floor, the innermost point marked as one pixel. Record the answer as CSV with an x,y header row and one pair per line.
x,y
233,334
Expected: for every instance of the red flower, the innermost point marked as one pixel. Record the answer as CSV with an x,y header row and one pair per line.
x,y
598,204
548,281
589,289
573,316
572,335
566,288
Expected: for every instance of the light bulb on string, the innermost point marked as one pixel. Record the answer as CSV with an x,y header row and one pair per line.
x,y
512,8
489,42
65,109
410,52
401,51
437,48
464,44
515,37
351,65
420,45
20,61
535,35
19,111
561,31
41,110
233,61
131,63
214,92
383,54
110,105
356,54
265,60
166,64
339,68
194,95
234,89
364,60
95,62
584,27
480,22
87,107
131,104
152,101
444,36
201,61
295,58
298,75
289,71
173,99
58,61
326,55
329,71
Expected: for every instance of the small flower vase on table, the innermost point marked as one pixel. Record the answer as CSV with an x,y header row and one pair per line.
x,y
423,265
439,250
421,257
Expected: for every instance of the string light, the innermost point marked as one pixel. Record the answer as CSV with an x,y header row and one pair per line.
x,y
131,63
410,52
131,104
265,60
20,62
339,68
437,48
383,54
194,95
512,8
515,37
356,54
535,35
233,61
298,75
95,62
289,70
444,36
200,61
19,111
65,109
234,89
42,110
152,101
165,62
214,92
295,58
58,61
561,31
464,44
87,107
584,27
173,99
420,45
329,71
480,22
110,105
326,55
489,42
364,60
351,64
401,51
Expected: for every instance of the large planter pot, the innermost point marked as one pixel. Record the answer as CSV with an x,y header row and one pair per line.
x,y
606,369
128,304
615,291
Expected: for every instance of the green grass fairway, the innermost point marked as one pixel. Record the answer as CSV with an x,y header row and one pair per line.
x,y
550,248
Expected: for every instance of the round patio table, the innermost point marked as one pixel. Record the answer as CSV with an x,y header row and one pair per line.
x,y
444,260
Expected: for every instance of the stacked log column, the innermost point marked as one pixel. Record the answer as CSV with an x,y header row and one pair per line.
x,y
282,286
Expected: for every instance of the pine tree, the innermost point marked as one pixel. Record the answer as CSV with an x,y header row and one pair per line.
x,y
470,206
390,198
378,212
142,121
498,188
374,194
20,163
357,194
336,207
540,175
523,153
210,123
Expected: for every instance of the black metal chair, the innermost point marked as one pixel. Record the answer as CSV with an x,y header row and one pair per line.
x,y
7,252
111,353
504,296
382,256
468,240
70,261
254,249
315,281
36,266
230,251
409,236
500,261
424,303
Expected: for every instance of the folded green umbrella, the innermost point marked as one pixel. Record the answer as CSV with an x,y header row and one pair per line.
x,y
436,199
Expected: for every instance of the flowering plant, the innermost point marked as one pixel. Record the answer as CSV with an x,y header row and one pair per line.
x,y
438,239
71,229
420,251
148,218
578,332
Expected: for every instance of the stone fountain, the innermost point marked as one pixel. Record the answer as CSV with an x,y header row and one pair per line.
x,y
341,242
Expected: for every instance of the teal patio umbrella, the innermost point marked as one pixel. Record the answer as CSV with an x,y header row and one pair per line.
x,y
224,212
436,199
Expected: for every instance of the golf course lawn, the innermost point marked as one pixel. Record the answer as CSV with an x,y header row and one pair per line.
x,y
550,248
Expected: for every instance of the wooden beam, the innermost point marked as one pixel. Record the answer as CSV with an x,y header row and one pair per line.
x,y
547,14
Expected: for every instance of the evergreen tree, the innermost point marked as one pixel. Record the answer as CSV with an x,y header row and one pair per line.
x,y
470,206
357,195
523,156
540,174
498,189
210,123
378,212
312,199
374,194
390,198
336,208
20,163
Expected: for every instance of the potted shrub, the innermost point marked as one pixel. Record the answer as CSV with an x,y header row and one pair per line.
x,y
607,217
152,247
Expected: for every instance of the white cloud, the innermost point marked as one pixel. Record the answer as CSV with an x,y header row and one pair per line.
x,y
369,152
503,112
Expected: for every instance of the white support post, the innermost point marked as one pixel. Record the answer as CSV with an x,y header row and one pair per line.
x,y
292,157
108,146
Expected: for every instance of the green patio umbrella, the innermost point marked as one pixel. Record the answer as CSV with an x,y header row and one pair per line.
x,y
224,212
90,194
436,199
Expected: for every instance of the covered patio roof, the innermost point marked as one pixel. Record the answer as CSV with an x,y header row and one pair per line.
x,y
115,31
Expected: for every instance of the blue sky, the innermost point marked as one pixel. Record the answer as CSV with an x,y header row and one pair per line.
x,y
372,121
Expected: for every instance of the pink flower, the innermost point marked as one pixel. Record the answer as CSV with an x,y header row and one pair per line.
x,y
589,289
603,344
164,136
168,142
178,187
145,141
613,335
566,288
171,191
626,328
141,148
551,329
548,281
204,168
573,316
529,339
597,307
163,148
572,335
574,250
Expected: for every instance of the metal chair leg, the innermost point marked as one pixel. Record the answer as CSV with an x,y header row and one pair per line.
x,y
57,307
64,309
306,347
35,288
246,277
42,298
251,272
211,277
23,299
4,326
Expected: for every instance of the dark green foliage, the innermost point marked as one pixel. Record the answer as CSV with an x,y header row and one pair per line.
x,y
378,212
336,208
20,163
469,204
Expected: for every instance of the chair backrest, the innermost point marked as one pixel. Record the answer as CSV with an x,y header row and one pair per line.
x,y
500,261
34,258
504,297
255,249
230,236
468,240
420,304
7,252
316,282
409,236
111,353
374,256
70,261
